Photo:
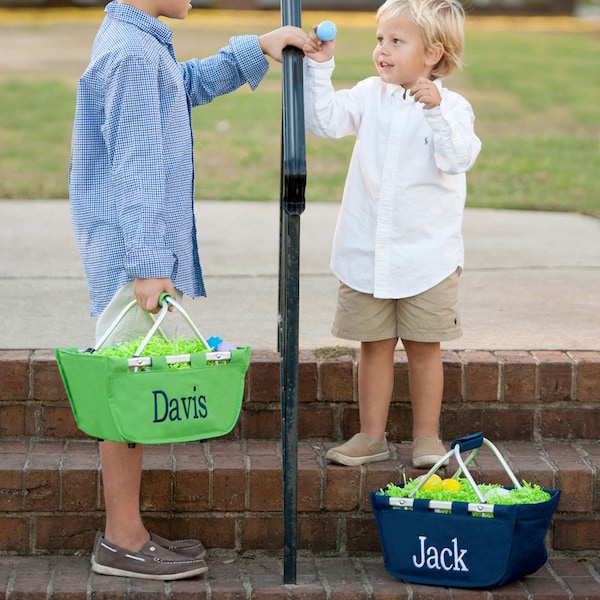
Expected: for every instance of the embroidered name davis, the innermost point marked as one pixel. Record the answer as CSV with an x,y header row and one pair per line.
x,y
178,409
447,559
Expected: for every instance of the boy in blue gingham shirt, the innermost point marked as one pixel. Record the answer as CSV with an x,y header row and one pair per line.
x,y
131,182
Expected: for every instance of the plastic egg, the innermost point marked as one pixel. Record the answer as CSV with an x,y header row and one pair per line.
x,y
433,483
496,493
451,485
226,346
214,341
326,31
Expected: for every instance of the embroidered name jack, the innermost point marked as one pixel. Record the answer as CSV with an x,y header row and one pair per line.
x,y
447,559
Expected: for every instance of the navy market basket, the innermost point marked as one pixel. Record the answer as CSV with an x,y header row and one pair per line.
x,y
141,399
468,545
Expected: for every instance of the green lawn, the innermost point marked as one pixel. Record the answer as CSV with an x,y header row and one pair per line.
x,y
534,92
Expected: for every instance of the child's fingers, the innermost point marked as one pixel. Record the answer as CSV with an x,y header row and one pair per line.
x,y
313,45
312,34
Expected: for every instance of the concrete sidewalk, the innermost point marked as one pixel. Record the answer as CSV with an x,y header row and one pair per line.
x,y
532,279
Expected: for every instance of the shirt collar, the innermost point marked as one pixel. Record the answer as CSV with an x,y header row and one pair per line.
x,y
141,19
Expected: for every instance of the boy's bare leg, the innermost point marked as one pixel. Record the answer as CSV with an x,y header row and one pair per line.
x,y
375,386
426,385
121,477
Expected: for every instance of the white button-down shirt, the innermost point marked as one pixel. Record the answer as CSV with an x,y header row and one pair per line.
x,y
399,230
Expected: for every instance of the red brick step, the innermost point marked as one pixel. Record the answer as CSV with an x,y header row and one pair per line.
x,y
510,395
229,494
260,578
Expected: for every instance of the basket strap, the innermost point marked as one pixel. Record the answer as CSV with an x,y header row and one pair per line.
x,y
159,363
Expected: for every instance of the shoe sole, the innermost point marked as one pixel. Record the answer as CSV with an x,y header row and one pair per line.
x,y
427,461
352,461
104,570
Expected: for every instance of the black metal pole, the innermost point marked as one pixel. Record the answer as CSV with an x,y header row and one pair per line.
x,y
293,183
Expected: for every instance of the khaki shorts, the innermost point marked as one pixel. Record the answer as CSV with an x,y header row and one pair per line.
x,y
431,316
136,323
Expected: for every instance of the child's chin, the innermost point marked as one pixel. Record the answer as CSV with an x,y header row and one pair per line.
x,y
387,78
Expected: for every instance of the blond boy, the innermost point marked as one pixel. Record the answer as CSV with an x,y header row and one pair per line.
x,y
398,248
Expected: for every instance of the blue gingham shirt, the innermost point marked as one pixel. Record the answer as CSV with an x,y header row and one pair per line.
x,y
131,177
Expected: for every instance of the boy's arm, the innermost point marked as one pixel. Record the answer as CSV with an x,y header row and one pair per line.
x,y
243,61
456,144
273,43
329,113
133,136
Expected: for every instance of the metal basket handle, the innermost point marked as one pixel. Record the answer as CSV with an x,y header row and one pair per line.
x,y
471,442
164,301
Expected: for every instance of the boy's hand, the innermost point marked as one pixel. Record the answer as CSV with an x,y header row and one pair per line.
x,y
148,291
426,91
316,49
273,43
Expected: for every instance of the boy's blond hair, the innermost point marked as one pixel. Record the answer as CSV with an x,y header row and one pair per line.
x,y
438,21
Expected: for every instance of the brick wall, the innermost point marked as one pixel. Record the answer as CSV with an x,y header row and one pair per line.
x,y
511,395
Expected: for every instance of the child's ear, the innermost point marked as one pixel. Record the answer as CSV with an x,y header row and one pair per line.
x,y
435,53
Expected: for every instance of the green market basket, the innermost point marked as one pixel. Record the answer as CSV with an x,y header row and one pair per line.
x,y
140,399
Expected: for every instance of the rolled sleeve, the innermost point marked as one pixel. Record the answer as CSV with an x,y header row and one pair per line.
x,y
239,63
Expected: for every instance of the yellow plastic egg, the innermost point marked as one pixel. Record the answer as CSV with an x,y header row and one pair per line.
x,y
451,485
433,483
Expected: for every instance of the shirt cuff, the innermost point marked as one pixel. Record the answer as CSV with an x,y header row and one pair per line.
x,y
313,64
149,263
250,58
436,118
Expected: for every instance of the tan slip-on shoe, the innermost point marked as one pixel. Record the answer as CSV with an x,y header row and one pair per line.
x,y
359,449
427,451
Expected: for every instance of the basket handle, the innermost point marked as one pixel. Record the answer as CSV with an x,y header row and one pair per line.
x,y
112,327
471,442
463,464
170,300
164,301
